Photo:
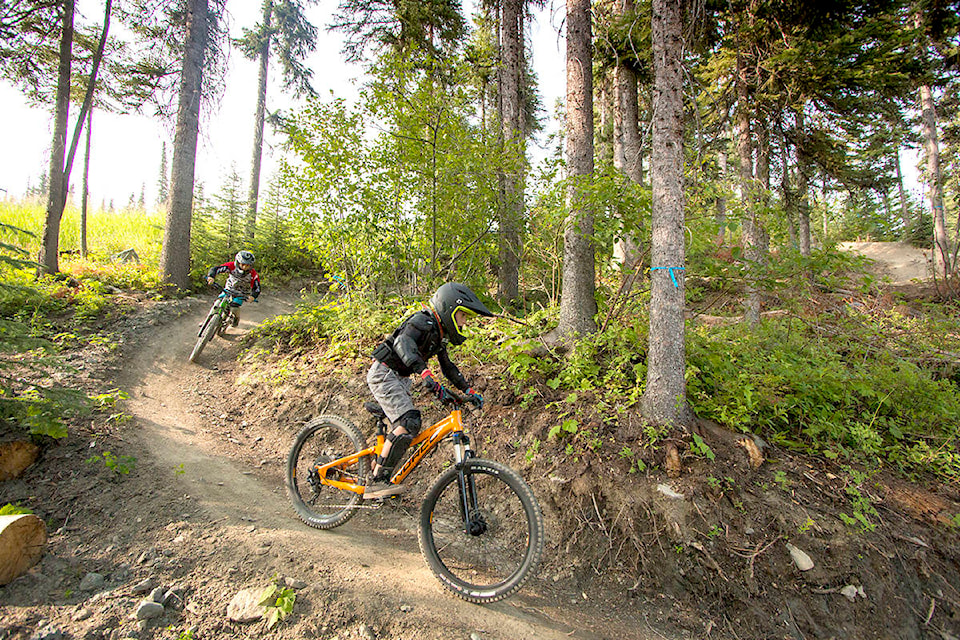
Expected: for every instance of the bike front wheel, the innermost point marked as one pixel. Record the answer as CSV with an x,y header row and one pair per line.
x,y
481,530
323,440
206,334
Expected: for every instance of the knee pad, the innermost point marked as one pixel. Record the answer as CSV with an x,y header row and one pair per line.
x,y
410,421
398,447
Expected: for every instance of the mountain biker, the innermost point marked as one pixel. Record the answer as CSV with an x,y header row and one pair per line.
x,y
242,279
419,337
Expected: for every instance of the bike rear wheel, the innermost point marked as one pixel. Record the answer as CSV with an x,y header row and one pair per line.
x,y
323,440
491,553
206,334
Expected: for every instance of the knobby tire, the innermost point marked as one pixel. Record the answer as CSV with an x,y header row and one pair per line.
x,y
206,334
488,565
323,440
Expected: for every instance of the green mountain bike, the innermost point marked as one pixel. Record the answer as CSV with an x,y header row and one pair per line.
x,y
220,317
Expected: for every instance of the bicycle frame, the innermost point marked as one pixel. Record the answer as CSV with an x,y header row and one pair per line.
x,y
422,444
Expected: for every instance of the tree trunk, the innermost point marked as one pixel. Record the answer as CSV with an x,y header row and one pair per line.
x,y
788,197
931,147
628,117
85,192
578,305
664,401
175,255
48,259
721,203
803,190
511,208
904,210
751,238
16,457
258,124
22,541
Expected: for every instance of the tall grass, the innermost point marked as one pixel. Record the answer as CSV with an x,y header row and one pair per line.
x,y
108,232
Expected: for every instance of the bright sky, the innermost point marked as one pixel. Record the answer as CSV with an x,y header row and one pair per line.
x,y
127,149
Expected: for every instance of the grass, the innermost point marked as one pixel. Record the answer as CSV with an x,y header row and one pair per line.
x,y
108,232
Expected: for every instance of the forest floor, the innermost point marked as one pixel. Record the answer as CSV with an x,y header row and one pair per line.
x,y
705,550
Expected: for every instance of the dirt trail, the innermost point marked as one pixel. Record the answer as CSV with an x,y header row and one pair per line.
x,y
371,564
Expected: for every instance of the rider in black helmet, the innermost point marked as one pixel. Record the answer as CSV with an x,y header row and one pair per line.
x,y
418,338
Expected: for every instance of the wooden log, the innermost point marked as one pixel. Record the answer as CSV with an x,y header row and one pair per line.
x,y
15,457
22,541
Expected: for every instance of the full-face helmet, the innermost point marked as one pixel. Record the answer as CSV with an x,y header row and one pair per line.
x,y
245,257
449,299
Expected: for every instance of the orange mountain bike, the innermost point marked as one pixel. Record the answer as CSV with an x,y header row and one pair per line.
x,y
480,529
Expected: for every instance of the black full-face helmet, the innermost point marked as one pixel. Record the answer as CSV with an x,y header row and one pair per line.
x,y
449,299
245,257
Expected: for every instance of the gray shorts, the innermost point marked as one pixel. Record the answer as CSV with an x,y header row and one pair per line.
x,y
390,390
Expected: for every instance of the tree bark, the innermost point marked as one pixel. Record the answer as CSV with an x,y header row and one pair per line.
x,y
664,400
23,539
254,195
175,255
721,203
48,258
85,192
931,148
803,189
511,207
904,210
748,194
627,105
578,305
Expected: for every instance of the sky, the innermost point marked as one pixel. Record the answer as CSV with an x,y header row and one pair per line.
x,y
127,149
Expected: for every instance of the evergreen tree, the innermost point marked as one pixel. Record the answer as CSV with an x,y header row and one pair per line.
x,y
286,30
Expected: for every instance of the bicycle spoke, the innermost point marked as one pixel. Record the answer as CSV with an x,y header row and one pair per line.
x,y
496,548
321,442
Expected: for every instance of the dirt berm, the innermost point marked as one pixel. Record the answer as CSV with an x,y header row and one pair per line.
x,y
715,552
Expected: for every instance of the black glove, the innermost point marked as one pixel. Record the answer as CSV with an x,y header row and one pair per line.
x,y
474,398
443,394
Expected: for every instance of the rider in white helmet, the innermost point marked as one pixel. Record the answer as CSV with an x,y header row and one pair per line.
x,y
242,279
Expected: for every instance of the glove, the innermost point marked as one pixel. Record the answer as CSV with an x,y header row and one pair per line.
x,y
474,398
209,280
437,389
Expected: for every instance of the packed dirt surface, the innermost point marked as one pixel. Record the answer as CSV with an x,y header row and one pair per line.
x,y
642,542
898,262
203,514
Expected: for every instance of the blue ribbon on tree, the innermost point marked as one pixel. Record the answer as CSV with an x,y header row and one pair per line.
x,y
672,274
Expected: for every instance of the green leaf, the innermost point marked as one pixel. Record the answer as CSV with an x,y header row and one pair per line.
x,y
268,596
273,617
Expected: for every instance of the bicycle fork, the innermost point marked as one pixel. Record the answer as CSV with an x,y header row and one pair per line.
x,y
473,522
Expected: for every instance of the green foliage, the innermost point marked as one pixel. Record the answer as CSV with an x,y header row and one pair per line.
x,y
568,426
108,232
861,504
533,450
14,510
120,465
861,394
701,449
278,602
348,324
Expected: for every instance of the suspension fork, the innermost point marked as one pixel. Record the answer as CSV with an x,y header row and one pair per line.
x,y
468,489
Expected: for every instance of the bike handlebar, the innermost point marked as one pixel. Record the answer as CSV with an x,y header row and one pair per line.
x,y
236,294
